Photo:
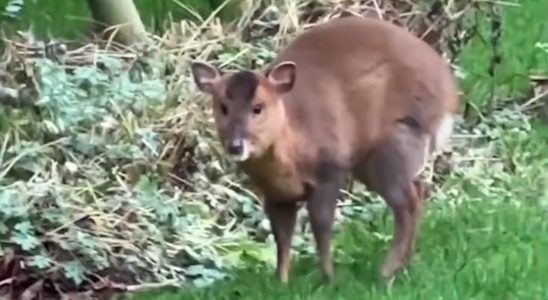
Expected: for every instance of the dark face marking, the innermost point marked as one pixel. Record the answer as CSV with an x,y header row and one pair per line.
x,y
242,86
236,108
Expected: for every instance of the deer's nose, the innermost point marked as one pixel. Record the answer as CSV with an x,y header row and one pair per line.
x,y
235,147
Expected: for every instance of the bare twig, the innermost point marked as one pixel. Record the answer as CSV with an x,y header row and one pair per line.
x,y
525,106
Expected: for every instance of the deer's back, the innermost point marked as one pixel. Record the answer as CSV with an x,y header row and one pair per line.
x,y
356,77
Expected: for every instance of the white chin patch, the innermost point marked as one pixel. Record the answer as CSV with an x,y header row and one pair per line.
x,y
245,152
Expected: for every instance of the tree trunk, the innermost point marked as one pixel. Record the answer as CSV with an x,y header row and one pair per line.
x,y
119,17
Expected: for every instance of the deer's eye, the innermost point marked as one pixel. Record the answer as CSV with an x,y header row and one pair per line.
x,y
224,109
257,109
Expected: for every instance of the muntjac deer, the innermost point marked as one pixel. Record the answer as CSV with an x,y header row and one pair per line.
x,y
353,96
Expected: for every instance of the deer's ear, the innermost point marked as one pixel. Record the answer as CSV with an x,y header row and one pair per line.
x,y
205,76
282,76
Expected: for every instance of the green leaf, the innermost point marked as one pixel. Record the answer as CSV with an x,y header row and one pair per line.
x,y
13,9
146,186
26,241
40,262
3,228
75,271
202,282
24,227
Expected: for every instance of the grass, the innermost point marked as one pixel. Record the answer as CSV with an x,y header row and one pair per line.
x,y
488,241
522,27
75,21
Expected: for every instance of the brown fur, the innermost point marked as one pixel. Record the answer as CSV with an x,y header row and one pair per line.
x,y
366,99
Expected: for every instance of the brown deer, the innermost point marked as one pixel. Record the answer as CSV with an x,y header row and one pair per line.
x,y
353,96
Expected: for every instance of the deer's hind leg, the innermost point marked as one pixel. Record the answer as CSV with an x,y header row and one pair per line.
x,y
391,170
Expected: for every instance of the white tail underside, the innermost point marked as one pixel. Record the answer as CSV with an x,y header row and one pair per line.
x,y
438,142
443,133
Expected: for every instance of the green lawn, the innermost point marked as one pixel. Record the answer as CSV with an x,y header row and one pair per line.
x,y
489,241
